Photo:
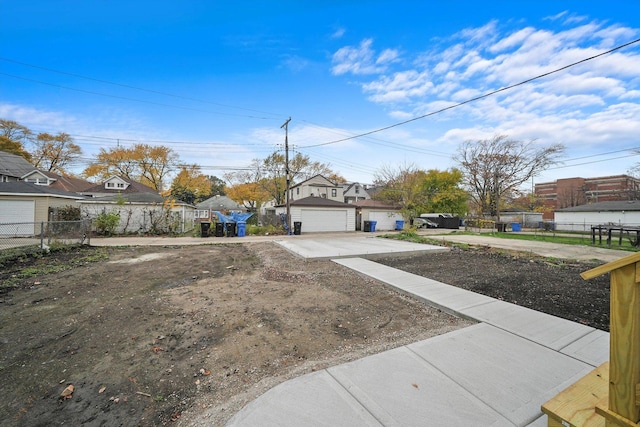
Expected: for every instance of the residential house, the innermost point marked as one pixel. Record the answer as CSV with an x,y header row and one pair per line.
x,y
316,186
59,182
13,167
117,185
205,209
354,192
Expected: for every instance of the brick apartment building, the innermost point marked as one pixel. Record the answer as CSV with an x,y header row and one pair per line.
x,y
570,192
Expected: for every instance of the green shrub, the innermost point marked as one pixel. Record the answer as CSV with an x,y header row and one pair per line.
x,y
106,223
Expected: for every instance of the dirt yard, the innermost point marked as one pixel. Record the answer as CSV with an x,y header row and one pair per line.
x,y
188,335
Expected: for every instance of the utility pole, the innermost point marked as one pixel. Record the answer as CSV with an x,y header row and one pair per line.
x,y
286,168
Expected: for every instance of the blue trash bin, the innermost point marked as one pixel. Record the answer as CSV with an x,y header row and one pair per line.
x,y
242,228
399,224
516,226
373,225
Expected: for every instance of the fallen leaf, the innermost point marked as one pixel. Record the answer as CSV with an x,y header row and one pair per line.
x,y
157,348
67,393
175,416
102,389
415,385
205,372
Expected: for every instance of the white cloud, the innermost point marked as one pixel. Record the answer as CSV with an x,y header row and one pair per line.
x,y
337,34
362,60
35,119
400,87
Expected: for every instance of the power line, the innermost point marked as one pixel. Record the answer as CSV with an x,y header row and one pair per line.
x,y
595,161
157,92
382,142
486,95
90,92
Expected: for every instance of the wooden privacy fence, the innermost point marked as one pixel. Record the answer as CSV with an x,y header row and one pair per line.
x,y
609,396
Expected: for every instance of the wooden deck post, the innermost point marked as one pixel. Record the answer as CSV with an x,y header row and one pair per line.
x,y
580,404
624,331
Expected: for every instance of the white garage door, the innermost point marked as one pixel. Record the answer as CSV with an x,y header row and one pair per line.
x,y
17,211
316,220
385,222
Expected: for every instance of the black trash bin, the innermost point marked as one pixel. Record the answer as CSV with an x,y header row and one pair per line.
x,y
501,227
231,229
297,228
219,229
204,229
367,226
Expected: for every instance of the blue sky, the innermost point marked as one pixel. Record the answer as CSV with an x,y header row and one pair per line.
x,y
216,80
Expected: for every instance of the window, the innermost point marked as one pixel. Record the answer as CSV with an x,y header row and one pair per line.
x,y
38,181
334,192
357,189
297,190
120,185
110,185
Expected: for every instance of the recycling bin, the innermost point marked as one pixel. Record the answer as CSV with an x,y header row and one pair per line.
x,y
399,224
297,228
242,228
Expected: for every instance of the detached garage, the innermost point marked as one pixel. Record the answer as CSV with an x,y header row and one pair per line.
x,y
318,214
24,204
372,210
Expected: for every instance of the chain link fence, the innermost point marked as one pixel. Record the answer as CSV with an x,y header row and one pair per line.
x,y
44,234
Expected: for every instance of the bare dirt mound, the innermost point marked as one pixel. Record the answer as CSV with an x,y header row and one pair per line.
x,y
161,335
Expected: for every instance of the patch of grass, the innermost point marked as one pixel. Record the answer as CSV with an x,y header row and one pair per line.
x,y
566,239
414,237
38,262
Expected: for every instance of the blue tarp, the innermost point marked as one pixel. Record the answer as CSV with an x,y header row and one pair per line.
x,y
233,217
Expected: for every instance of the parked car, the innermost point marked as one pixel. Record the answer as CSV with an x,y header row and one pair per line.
x,y
424,223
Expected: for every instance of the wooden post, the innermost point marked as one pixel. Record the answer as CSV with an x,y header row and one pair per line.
x,y
624,356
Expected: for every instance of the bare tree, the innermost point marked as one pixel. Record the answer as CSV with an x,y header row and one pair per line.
x,y
494,168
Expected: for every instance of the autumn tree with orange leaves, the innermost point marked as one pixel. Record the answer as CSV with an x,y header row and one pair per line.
x,y
148,164
55,153
191,185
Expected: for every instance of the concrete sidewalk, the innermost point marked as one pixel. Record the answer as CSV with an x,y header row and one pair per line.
x,y
496,373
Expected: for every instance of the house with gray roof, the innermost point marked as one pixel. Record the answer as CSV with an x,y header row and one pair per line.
x,y
13,167
117,185
205,209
